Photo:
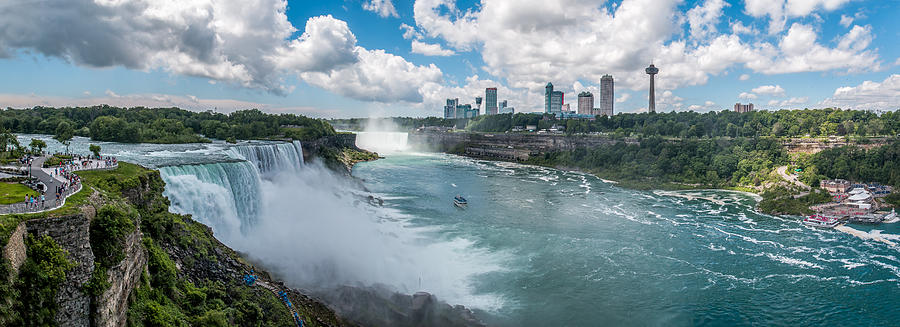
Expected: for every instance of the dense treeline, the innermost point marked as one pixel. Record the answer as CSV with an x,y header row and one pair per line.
x,y
717,163
162,125
782,123
880,164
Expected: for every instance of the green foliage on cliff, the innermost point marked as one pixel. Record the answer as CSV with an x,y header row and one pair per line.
x,y
99,281
707,163
162,125
880,164
109,229
780,200
782,123
893,199
313,130
39,280
167,299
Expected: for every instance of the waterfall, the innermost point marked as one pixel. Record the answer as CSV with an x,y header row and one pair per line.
x,y
314,227
227,196
271,158
382,142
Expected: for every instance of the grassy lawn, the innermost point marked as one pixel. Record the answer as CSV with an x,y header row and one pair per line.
x,y
13,192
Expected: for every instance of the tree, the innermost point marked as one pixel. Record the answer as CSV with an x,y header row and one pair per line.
x,y
95,149
37,146
7,139
778,129
64,134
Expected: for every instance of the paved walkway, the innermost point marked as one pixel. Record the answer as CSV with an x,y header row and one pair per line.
x,y
794,180
51,182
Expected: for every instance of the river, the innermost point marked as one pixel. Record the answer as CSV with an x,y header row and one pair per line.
x,y
535,247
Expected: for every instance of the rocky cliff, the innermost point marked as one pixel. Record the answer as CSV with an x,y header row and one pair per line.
x,y
505,146
337,152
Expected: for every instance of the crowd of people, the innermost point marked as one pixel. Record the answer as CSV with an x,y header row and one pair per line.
x,y
79,162
36,201
63,172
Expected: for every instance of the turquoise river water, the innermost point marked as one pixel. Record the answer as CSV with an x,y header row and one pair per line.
x,y
573,250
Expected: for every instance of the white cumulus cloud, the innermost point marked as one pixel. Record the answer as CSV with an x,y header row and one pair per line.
x,y
242,42
430,49
884,95
527,43
378,77
779,11
846,20
769,90
384,8
791,103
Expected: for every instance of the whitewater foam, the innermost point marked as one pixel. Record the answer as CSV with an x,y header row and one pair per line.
x,y
306,224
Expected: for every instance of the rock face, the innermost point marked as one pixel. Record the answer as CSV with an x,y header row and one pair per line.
x,y
505,146
15,251
111,307
338,141
376,306
72,233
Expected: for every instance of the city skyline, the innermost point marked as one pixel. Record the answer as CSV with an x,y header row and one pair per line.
x,y
405,58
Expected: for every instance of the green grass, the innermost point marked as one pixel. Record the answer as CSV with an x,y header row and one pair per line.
x,y
100,180
13,193
56,159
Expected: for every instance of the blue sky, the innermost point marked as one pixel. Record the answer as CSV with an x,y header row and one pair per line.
x,y
358,58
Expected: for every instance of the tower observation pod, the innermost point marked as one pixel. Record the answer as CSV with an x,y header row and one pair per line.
x,y
652,71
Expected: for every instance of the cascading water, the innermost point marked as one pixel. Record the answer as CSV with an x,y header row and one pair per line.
x,y
226,196
271,158
314,229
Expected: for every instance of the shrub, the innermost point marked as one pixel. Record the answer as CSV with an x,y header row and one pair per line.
x,y
109,230
39,279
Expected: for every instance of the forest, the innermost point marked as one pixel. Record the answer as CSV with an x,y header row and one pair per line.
x,y
880,164
782,123
162,125
656,161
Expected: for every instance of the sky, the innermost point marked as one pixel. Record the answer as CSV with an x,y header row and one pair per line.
x,y
366,58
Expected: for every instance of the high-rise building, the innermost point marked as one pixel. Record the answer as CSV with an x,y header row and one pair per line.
x,y
490,101
503,105
652,71
585,103
548,91
738,107
465,111
557,101
450,108
607,96
553,100
478,103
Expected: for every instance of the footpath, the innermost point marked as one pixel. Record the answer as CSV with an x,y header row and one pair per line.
x,y
53,182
